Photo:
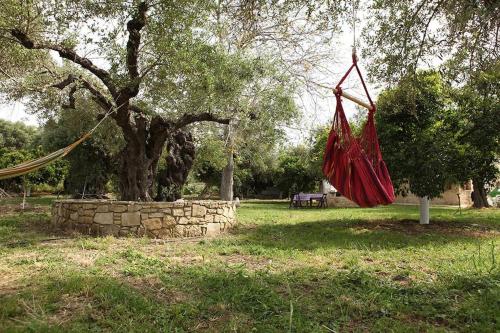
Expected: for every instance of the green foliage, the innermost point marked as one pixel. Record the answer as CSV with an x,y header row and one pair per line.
x,y
295,173
320,136
21,143
476,124
210,159
90,165
404,36
16,135
416,146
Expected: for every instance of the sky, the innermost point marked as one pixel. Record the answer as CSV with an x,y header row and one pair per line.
x,y
315,110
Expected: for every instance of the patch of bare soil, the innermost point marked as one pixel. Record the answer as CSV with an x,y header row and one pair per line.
x,y
10,282
412,227
83,258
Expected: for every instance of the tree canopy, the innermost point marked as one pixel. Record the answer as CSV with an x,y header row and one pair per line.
x,y
416,148
405,36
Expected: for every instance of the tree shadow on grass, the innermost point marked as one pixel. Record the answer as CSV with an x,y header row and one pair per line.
x,y
26,229
216,299
361,235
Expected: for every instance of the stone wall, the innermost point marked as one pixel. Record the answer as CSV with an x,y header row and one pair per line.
x,y
153,219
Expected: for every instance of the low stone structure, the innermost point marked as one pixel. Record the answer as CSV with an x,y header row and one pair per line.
x,y
153,219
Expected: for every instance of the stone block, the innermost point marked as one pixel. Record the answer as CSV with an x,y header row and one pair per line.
x,y
167,211
219,218
118,209
102,209
178,212
89,206
189,230
170,232
110,230
86,219
74,216
133,208
144,216
156,215
169,220
152,224
149,210
88,212
199,211
212,229
103,218
131,219
183,220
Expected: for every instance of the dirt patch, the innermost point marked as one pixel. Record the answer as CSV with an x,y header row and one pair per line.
x,y
10,282
83,258
412,227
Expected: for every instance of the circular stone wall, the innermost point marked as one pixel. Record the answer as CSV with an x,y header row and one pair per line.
x,y
153,219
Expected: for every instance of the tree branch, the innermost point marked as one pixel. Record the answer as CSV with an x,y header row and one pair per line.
x,y
187,119
134,27
66,53
99,97
64,83
71,99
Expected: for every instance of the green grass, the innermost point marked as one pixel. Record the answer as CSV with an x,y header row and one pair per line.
x,y
280,270
42,200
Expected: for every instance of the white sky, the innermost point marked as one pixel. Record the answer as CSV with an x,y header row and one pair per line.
x,y
315,110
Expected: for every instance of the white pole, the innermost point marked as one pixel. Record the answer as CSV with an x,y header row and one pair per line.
x,y
424,210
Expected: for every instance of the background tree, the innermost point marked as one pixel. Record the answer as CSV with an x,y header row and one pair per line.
x,y
16,135
91,166
476,124
404,36
414,143
21,143
297,36
294,173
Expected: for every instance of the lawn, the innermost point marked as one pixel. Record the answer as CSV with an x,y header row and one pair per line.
x,y
280,270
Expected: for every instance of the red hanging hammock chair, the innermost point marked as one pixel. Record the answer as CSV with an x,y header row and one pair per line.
x,y
354,166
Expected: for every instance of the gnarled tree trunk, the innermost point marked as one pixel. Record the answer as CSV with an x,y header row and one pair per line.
x,y
145,140
180,158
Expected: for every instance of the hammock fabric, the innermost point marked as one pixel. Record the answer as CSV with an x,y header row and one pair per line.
x,y
33,165
354,166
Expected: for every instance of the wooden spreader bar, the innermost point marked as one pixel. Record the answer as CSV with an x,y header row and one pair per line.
x,y
353,98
